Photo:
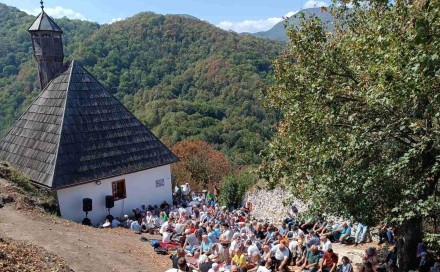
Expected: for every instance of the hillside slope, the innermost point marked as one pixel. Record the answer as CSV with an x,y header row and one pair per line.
x,y
278,32
60,245
183,77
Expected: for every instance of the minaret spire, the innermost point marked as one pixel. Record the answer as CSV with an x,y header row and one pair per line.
x,y
48,46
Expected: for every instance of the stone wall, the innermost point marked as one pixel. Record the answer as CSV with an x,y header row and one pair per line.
x,y
269,205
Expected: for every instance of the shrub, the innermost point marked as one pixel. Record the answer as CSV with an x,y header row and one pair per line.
x,y
235,187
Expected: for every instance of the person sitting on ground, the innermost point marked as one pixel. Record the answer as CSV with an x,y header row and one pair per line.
x,y
136,226
370,256
312,239
280,257
367,267
126,222
307,224
175,257
391,260
342,233
320,225
166,225
247,207
182,266
283,229
107,224
296,232
137,214
115,223
204,263
265,256
385,234
214,268
325,243
238,259
167,236
226,235
256,259
251,248
163,217
328,262
211,234
206,245
236,243
345,266
192,243
312,259
217,253
234,268
301,253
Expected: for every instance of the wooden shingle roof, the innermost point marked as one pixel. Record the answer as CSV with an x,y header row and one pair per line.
x,y
76,132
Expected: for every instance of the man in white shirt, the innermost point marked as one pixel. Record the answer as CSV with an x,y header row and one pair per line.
x,y
235,243
215,268
251,248
164,227
325,243
281,256
256,258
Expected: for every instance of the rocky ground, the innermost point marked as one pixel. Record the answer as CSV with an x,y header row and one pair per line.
x,y
26,257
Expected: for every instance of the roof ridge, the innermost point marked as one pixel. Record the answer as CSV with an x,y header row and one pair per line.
x,y
71,66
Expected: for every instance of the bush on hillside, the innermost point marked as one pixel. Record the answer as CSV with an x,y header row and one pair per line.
x,y
234,189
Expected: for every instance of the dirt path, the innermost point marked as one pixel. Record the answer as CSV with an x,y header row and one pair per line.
x,y
83,248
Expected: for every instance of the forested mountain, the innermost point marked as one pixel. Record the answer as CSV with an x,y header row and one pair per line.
x,y
182,77
278,32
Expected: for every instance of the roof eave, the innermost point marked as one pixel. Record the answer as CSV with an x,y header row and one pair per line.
x,y
111,176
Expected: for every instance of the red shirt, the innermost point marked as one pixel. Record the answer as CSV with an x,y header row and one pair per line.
x,y
329,261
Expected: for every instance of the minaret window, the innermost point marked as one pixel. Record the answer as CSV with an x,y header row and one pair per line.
x,y
46,36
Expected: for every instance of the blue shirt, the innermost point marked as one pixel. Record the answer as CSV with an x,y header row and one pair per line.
x,y
206,246
346,230
212,236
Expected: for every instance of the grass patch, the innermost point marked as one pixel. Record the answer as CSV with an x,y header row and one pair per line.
x,y
43,198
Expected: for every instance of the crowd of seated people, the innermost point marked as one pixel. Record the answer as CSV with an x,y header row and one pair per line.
x,y
214,238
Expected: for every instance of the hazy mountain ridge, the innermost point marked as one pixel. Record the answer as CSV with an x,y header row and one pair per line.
x,y
278,32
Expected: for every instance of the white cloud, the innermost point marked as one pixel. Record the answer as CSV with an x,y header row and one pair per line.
x,y
58,12
315,4
114,20
251,26
290,13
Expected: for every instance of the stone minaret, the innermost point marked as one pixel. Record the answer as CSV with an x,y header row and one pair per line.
x,y
48,47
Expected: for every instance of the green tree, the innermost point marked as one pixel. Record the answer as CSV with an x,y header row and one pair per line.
x,y
233,190
360,134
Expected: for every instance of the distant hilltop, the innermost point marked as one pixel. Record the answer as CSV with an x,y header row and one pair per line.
x,y
278,32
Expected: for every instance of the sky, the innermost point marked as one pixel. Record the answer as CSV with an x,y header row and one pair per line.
x,y
237,15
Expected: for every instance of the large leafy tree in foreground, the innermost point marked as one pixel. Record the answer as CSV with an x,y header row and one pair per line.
x,y
360,134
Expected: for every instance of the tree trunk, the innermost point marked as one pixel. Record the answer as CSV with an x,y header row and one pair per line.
x,y
410,235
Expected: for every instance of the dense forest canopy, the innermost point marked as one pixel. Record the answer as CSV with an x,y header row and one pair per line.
x,y
182,77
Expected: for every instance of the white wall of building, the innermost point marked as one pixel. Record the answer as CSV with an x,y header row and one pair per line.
x,y
140,189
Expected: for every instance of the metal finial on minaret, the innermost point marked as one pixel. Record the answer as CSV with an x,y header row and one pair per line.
x,y
42,6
